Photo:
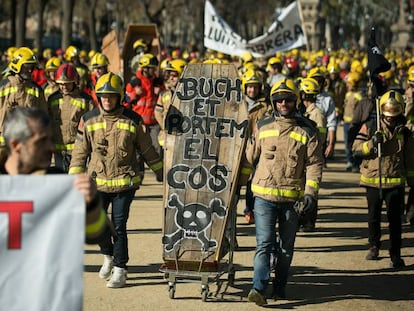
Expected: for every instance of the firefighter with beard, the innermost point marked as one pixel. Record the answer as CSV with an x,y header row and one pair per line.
x,y
18,88
109,137
66,107
287,157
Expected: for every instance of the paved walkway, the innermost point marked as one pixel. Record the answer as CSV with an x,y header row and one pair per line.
x,y
329,271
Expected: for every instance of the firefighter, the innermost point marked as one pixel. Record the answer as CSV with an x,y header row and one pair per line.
x,y
325,103
106,145
66,107
173,70
408,98
258,107
336,88
51,66
140,49
18,88
99,64
309,90
274,69
28,136
396,168
353,99
72,56
288,161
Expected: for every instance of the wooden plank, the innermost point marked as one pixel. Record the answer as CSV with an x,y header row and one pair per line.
x,y
147,32
206,127
110,48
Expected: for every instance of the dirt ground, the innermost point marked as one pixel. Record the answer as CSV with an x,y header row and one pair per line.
x,y
329,270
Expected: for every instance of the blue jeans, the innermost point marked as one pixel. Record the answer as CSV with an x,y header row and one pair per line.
x,y
267,214
121,202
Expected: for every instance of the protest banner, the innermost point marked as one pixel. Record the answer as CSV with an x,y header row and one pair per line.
x,y
42,233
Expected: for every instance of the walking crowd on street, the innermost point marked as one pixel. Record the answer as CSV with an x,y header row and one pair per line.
x,y
63,111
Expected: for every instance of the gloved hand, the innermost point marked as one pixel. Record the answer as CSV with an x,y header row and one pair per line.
x,y
377,139
309,204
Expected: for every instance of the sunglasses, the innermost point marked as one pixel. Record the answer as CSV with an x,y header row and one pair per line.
x,y
278,98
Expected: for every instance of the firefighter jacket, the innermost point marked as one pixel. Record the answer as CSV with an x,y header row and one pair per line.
x,y
287,157
163,104
409,108
316,115
65,111
50,88
397,152
352,100
257,109
16,92
107,145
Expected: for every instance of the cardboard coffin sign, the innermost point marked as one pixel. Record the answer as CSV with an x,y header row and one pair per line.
x,y
206,134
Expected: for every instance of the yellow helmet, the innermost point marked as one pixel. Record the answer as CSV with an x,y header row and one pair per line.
x,y
71,52
99,60
22,56
251,76
284,87
410,73
212,61
391,104
10,51
333,68
353,78
176,65
309,86
91,53
246,57
139,45
316,72
53,64
148,60
273,61
110,83
47,53
356,66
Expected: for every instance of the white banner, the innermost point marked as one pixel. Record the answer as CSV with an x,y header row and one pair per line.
x,y
42,234
284,34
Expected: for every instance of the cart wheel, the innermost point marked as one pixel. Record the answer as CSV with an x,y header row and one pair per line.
x,y
204,294
230,278
171,291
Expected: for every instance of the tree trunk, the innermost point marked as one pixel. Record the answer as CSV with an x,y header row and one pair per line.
x,y
21,22
67,22
13,10
39,34
90,8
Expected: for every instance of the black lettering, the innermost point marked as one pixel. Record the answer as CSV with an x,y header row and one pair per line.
x,y
236,88
203,83
220,128
279,26
206,150
213,103
278,40
198,107
189,89
218,181
221,83
269,45
190,153
171,179
186,124
287,36
240,127
297,29
197,178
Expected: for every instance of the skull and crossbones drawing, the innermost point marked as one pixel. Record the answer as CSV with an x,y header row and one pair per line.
x,y
192,221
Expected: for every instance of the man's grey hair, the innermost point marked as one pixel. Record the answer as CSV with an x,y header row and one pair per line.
x,y
16,125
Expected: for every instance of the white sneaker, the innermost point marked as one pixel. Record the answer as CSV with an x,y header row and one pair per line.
x,y
106,269
118,279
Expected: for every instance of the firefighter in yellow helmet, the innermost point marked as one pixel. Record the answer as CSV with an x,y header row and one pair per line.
x,y
258,107
18,88
50,67
72,56
409,98
274,69
336,88
66,107
140,48
397,162
109,155
173,70
287,157
99,65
